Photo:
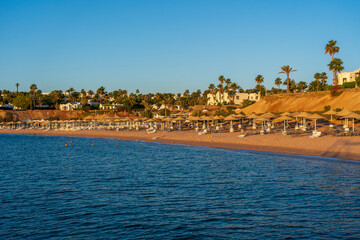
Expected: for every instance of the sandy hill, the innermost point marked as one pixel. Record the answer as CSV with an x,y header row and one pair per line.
x,y
306,102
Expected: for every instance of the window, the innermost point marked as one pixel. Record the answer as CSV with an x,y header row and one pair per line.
x,y
237,97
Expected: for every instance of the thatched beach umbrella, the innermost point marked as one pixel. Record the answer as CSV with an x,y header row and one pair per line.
x,y
231,119
331,113
262,120
352,116
343,113
179,120
304,116
285,119
315,117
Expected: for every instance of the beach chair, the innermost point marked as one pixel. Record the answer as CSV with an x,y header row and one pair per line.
x,y
315,135
241,135
203,132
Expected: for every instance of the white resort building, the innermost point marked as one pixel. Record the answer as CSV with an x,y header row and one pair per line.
x,y
109,106
348,76
225,98
69,106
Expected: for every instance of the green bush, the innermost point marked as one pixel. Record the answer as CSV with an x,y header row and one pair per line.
x,y
327,108
221,112
328,87
348,85
247,103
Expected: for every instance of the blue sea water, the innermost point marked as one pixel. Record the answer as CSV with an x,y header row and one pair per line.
x,y
124,190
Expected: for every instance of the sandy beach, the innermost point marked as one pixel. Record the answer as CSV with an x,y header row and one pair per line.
x,y
327,146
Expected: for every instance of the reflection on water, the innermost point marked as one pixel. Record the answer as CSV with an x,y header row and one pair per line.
x,y
157,191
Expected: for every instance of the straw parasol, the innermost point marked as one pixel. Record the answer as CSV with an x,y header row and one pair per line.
x,y
218,118
284,118
286,114
315,117
230,118
261,119
344,112
331,113
269,115
252,116
179,119
302,115
353,116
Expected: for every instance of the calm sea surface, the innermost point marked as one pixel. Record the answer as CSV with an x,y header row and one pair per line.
x,y
160,191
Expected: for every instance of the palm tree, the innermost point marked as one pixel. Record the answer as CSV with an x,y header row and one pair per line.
x,y
287,70
259,79
331,49
33,88
220,89
70,90
101,92
233,88
301,85
336,66
278,82
212,89
221,79
17,88
323,77
317,76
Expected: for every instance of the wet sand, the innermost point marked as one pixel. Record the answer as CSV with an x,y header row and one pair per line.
x,y
327,146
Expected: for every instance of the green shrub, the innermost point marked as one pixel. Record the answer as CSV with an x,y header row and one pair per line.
x,y
348,85
247,103
196,113
221,112
337,109
357,80
328,87
327,108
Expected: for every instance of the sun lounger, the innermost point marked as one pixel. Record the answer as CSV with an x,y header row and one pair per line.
x,y
203,132
241,135
315,135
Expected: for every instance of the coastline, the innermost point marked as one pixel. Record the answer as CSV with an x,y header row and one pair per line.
x,y
326,146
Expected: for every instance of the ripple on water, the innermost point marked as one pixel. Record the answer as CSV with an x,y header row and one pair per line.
x,y
162,191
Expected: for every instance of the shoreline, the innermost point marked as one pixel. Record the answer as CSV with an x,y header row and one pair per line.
x,y
326,146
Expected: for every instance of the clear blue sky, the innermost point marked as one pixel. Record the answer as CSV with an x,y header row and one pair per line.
x,y
170,46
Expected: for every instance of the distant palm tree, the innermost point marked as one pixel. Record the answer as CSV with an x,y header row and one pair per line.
x,y
287,70
317,76
259,79
331,49
323,78
212,90
278,82
70,90
336,66
233,88
221,88
301,85
33,88
17,87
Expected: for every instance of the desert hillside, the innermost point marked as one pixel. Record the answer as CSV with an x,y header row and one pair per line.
x,y
306,102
